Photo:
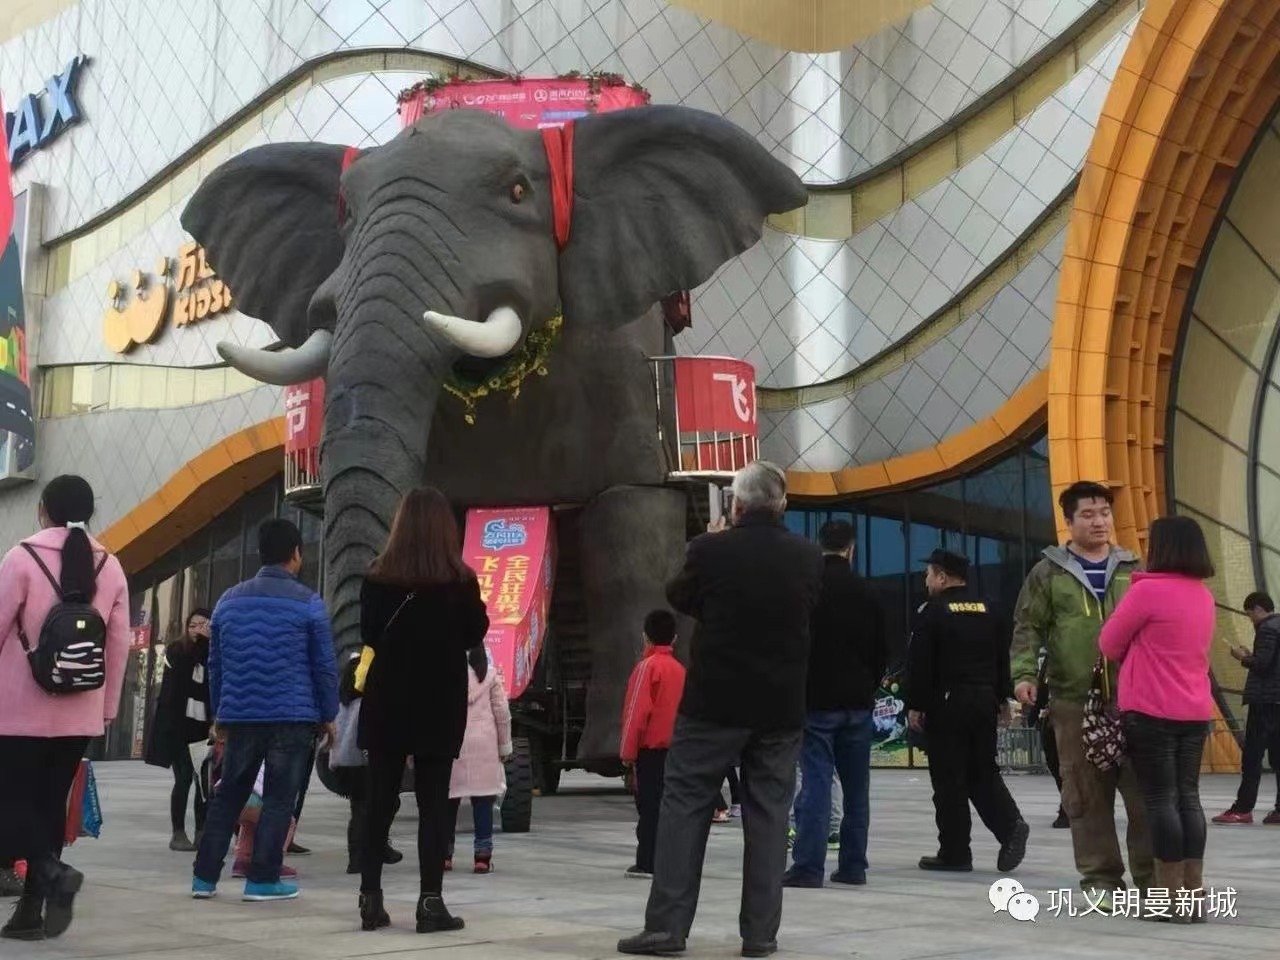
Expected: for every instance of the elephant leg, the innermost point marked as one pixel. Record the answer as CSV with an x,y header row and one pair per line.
x,y
631,541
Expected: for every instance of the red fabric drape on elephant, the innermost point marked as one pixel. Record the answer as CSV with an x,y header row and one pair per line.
x,y
558,142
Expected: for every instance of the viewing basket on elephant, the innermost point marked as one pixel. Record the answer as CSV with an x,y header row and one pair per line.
x,y
706,415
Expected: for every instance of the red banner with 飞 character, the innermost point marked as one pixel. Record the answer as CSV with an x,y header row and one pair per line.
x,y
512,552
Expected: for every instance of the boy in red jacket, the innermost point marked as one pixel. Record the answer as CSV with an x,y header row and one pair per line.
x,y
648,719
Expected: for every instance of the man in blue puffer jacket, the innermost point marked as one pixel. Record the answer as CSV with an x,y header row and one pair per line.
x,y
273,683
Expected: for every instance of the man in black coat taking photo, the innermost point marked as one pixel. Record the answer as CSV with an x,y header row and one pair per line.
x,y
847,658
751,588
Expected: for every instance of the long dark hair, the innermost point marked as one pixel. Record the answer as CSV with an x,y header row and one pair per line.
x,y
1177,546
423,547
69,499
184,643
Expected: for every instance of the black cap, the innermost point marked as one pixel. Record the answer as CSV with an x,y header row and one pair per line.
x,y
952,564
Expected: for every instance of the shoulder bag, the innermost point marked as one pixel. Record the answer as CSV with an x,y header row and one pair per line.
x,y
346,751
1104,740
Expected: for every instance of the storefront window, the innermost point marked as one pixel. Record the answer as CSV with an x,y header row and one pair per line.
x,y
194,574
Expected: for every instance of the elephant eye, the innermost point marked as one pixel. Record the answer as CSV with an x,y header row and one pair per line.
x,y
517,192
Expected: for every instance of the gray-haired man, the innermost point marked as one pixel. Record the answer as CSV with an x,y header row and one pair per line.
x,y
751,588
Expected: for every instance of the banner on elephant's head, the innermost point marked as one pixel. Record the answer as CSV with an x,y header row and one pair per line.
x,y
512,552
527,103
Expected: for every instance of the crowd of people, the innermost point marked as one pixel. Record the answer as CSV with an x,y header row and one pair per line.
x,y
1108,656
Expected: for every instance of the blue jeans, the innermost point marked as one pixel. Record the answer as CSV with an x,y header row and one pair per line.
x,y
482,820
835,741
285,748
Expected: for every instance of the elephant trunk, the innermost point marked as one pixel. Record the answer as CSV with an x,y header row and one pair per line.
x,y
380,401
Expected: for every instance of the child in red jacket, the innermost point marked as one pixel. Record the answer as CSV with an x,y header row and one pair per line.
x,y
648,719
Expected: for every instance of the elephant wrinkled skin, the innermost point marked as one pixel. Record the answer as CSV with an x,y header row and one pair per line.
x,y
454,218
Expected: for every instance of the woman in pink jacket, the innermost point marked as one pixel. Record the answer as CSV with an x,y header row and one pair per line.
x,y
1161,632
478,772
44,735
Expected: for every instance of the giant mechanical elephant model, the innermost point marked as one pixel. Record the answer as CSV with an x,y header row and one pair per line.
x,y
438,259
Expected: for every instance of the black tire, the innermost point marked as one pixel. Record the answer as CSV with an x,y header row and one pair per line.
x,y
517,805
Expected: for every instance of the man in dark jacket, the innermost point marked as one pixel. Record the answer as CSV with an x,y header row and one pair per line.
x,y
847,660
273,682
957,680
751,589
1262,695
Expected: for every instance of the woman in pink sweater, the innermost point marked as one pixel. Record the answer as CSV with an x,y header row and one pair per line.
x,y
43,735
1161,632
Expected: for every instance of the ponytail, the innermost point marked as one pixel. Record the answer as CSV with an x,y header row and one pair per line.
x,y
479,661
68,502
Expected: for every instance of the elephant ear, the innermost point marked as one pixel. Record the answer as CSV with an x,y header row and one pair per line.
x,y
662,197
268,220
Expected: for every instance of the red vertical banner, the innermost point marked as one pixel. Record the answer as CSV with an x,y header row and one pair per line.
x,y
304,419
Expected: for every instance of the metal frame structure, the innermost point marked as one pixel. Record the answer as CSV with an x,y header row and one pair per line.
x,y
718,468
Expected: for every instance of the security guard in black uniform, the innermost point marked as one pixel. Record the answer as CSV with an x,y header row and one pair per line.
x,y
957,680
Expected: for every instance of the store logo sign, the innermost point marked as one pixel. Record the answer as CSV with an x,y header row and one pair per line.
x,y
184,287
40,117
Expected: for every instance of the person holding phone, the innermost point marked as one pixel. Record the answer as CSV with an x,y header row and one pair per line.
x,y
182,722
1262,696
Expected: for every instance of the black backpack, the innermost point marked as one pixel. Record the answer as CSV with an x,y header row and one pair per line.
x,y
71,656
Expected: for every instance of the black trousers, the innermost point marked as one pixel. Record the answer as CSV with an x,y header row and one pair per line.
x,y
1166,759
431,786
696,763
184,775
1049,747
961,734
1261,736
37,773
650,765
306,781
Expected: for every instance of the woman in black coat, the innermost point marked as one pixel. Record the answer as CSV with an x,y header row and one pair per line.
x,y
182,718
420,612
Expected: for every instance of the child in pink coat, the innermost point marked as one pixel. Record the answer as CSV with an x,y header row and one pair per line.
x,y
1160,632
43,735
478,772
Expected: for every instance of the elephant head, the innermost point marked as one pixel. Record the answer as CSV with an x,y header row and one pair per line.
x,y
447,255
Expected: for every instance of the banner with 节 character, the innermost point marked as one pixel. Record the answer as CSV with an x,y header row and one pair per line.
x,y
512,551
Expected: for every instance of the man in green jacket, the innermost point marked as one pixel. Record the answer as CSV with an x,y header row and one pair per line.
x,y
1060,610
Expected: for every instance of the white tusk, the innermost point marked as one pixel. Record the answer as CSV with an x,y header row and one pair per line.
x,y
495,337
282,367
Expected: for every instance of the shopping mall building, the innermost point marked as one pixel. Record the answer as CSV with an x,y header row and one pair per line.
x,y
1042,244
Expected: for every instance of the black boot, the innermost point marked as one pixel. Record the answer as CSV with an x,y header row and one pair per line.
x,y
372,914
391,855
27,922
60,884
433,916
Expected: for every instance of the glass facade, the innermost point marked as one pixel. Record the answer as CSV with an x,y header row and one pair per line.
x,y
91,388
193,574
1000,517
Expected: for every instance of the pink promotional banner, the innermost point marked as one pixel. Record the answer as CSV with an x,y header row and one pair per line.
x,y
527,103
512,552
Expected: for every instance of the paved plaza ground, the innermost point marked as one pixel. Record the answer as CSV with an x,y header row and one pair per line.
x,y
559,891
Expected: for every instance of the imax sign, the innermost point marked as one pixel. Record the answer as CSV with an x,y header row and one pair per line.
x,y
41,117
